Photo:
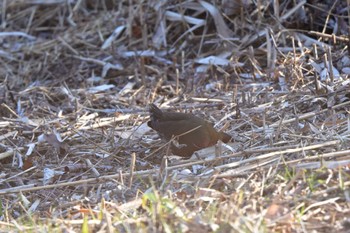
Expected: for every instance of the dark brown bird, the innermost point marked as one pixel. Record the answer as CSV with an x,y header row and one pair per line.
x,y
193,132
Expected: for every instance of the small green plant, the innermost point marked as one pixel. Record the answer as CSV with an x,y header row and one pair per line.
x,y
289,172
162,210
311,181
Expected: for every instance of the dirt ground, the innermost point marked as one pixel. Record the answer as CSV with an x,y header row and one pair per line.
x,y
76,81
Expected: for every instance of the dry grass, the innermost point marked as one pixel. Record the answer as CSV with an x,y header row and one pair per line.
x,y
76,78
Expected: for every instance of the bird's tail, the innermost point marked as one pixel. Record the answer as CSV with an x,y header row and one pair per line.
x,y
224,137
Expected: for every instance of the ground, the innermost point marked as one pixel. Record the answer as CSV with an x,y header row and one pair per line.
x,y
77,78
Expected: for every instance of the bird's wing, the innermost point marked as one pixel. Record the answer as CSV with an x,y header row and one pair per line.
x,y
177,116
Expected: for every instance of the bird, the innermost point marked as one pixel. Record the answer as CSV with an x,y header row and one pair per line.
x,y
192,133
